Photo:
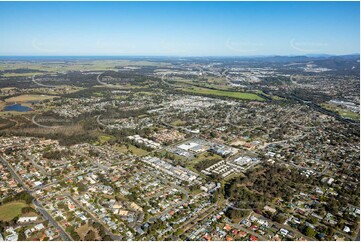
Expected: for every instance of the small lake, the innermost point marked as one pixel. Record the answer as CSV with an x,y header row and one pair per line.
x,y
17,107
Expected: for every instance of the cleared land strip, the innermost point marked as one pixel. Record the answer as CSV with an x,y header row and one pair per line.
x,y
222,93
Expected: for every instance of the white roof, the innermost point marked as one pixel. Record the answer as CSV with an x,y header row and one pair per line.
x,y
39,226
187,146
24,219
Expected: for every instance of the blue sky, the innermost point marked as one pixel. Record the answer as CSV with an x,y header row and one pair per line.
x,y
179,28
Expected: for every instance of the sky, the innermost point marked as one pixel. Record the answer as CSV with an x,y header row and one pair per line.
x,y
179,28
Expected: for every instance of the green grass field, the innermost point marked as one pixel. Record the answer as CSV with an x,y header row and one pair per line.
x,y
238,95
342,111
29,97
132,149
178,123
105,138
204,156
9,211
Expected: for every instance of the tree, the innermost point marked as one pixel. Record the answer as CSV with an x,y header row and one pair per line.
x,y
313,220
309,232
22,236
58,218
107,238
27,210
75,235
280,219
90,236
179,232
81,187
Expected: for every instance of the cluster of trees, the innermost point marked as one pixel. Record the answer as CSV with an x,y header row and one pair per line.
x,y
25,210
24,196
205,163
308,231
55,154
77,78
90,236
20,71
72,232
267,183
74,135
81,187
6,123
4,224
236,214
156,226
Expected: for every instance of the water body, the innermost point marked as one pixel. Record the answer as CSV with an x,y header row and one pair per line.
x,y
17,107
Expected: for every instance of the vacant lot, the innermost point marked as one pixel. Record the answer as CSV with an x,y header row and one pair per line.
x,y
84,229
131,149
9,211
28,97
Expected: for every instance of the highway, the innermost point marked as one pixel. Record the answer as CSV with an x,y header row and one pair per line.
x,y
41,125
40,84
324,111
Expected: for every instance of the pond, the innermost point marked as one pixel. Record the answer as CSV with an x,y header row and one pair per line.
x,y
17,107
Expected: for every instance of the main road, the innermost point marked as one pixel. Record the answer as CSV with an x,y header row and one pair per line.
x,y
114,237
39,207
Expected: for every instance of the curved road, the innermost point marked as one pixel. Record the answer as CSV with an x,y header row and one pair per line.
x,y
40,84
43,126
